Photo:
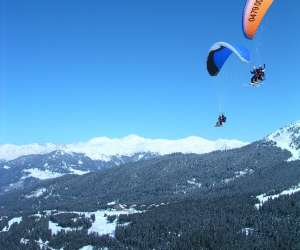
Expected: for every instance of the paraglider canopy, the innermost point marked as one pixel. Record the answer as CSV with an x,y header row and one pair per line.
x,y
254,12
219,53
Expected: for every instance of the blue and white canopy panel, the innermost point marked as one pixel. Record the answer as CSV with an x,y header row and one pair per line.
x,y
220,52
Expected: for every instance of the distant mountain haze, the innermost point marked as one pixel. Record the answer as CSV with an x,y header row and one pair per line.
x,y
102,148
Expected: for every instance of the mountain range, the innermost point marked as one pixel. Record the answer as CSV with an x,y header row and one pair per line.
x,y
27,164
103,148
245,197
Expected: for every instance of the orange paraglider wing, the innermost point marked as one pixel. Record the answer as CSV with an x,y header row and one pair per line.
x,y
254,13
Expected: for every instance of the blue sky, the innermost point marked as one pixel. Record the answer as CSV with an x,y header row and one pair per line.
x,y
74,70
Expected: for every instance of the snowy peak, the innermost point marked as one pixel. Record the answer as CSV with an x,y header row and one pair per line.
x,y
104,148
11,151
32,168
288,138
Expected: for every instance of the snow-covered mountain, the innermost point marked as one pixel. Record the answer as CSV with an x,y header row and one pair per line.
x,y
230,183
22,165
104,148
288,138
29,169
26,163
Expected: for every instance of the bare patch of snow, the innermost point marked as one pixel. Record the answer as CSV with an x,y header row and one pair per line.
x,y
239,174
24,241
247,231
141,156
193,182
263,198
37,193
42,244
17,220
6,167
111,203
78,172
55,228
89,247
41,174
100,226
246,171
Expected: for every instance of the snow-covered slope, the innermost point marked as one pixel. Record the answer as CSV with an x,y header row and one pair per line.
x,y
31,168
104,148
288,138
263,198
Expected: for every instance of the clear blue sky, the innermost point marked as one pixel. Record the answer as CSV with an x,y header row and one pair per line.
x,y
73,70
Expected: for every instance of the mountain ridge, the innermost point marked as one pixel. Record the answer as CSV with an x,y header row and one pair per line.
x,y
287,138
103,148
